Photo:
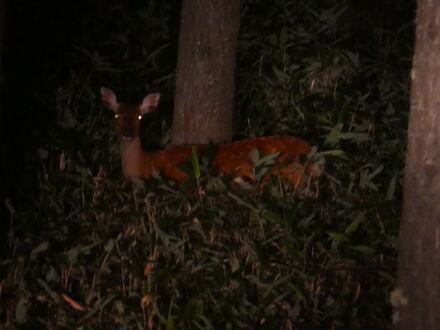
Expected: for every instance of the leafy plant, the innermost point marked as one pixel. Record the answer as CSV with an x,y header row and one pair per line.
x,y
97,251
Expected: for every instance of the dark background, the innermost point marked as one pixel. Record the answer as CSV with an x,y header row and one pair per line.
x,y
334,72
41,43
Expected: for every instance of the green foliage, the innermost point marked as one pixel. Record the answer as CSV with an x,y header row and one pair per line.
x,y
97,251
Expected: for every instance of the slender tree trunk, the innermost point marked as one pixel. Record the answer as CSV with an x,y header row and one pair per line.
x,y
205,71
416,298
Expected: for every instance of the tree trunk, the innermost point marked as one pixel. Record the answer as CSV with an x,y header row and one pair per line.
x,y
205,72
416,298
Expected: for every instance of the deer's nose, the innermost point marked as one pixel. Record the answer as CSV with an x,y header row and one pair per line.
x,y
127,135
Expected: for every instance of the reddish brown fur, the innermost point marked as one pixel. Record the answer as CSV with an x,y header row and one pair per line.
x,y
230,157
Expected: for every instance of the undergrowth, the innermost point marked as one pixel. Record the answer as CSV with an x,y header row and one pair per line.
x,y
95,251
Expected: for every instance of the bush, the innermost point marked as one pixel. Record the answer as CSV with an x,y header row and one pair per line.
x,y
96,251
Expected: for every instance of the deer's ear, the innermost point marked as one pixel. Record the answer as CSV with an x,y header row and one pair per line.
x,y
109,100
149,102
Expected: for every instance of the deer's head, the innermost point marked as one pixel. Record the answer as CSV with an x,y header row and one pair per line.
x,y
128,116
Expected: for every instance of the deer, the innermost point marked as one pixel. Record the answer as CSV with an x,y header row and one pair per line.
x,y
233,157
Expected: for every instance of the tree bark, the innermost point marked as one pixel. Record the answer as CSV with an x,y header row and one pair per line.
x,y
416,298
205,72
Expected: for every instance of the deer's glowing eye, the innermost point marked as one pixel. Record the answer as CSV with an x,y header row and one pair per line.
x,y
116,116
139,117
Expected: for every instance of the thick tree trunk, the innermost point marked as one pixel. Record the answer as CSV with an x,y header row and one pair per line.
x,y
205,71
416,298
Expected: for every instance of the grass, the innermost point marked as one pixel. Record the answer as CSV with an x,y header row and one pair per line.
x,y
96,251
